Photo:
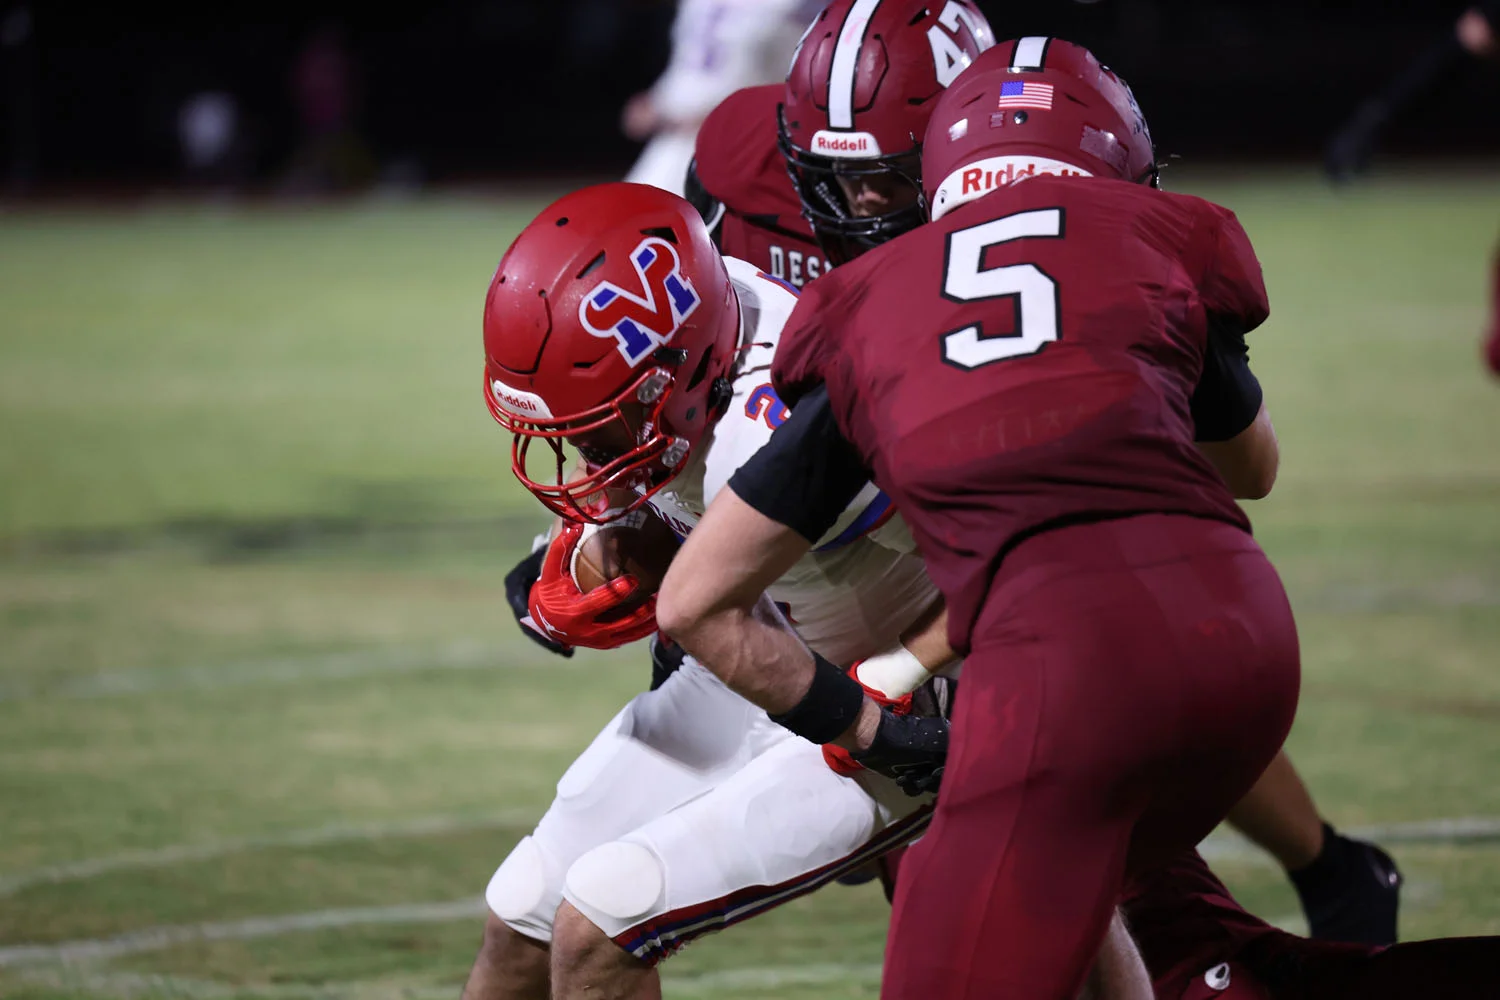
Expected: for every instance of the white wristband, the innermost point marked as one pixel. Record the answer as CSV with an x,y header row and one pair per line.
x,y
893,674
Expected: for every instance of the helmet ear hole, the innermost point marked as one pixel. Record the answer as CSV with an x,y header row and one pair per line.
x,y
701,370
662,233
719,395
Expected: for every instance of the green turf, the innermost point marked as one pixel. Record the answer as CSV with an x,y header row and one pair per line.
x,y
254,523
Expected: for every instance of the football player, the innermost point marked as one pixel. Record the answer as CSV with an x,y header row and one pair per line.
x,y
1050,380
718,46
613,325
895,57
768,153
1201,945
812,172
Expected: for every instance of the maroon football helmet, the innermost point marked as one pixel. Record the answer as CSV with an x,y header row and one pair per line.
x,y
1033,106
863,82
610,324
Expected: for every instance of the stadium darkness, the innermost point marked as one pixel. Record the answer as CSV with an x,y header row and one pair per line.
x,y
510,88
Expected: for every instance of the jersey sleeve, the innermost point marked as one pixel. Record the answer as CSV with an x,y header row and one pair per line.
x,y
1228,395
737,158
1232,287
808,476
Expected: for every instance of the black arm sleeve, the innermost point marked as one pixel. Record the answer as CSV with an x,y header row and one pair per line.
x,y
806,474
1228,395
710,208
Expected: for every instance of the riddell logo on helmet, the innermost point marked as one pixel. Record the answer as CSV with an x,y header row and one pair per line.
x,y
854,145
977,180
518,402
980,178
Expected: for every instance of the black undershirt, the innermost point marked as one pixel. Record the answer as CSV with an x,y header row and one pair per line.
x,y
807,474
1228,395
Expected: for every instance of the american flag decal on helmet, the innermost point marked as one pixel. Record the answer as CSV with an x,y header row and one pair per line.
x,y
642,323
1018,94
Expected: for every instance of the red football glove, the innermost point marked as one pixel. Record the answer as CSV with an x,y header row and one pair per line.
x,y
565,614
837,757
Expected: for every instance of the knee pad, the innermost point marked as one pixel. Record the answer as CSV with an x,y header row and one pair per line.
x,y
621,881
518,888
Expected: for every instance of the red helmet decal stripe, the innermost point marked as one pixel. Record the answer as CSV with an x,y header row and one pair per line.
x,y
641,323
1030,55
842,73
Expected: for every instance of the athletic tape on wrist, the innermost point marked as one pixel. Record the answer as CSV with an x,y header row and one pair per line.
x,y
894,674
829,708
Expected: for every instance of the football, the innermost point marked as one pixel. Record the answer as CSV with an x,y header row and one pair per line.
x,y
640,544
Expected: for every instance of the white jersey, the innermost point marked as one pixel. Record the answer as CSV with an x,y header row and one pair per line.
x,y
692,810
720,46
862,584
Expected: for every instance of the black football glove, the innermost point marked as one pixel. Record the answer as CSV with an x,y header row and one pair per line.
x,y
518,584
909,749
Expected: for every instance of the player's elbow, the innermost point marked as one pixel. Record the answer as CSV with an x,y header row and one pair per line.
x,y
1249,460
680,610
1260,463
1256,483
1250,475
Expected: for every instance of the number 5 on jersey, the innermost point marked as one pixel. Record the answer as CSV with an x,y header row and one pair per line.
x,y
966,280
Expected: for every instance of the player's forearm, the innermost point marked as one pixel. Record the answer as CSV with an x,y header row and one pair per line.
x,y
756,653
753,650
712,602
927,638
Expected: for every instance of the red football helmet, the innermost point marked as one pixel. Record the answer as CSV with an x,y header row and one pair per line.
x,y
1033,106
863,82
610,324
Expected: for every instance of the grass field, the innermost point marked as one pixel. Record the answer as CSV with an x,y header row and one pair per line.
x,y
266,725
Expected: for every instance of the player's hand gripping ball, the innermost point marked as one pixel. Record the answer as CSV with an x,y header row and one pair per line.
x,y
598,583
518,583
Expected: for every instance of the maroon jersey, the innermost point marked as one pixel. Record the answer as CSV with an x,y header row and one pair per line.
x,y
739,164
1028,361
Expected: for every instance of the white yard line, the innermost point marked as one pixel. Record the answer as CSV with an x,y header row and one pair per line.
x,y
1223,846
769,977
88,981
157,938
338,833
129,985
274,670
1227,845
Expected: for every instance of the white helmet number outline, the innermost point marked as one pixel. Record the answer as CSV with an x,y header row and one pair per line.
x,y
948,57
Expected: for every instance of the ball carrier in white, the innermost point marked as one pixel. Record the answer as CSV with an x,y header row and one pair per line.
x,y
612,324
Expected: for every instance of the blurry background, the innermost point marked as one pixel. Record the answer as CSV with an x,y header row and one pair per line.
x,y
266,724
460,90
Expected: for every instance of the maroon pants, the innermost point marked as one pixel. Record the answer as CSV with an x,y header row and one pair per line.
x,y
1200,945
1127,683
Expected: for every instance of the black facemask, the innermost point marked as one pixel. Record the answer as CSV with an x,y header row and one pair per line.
x,y
842,234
